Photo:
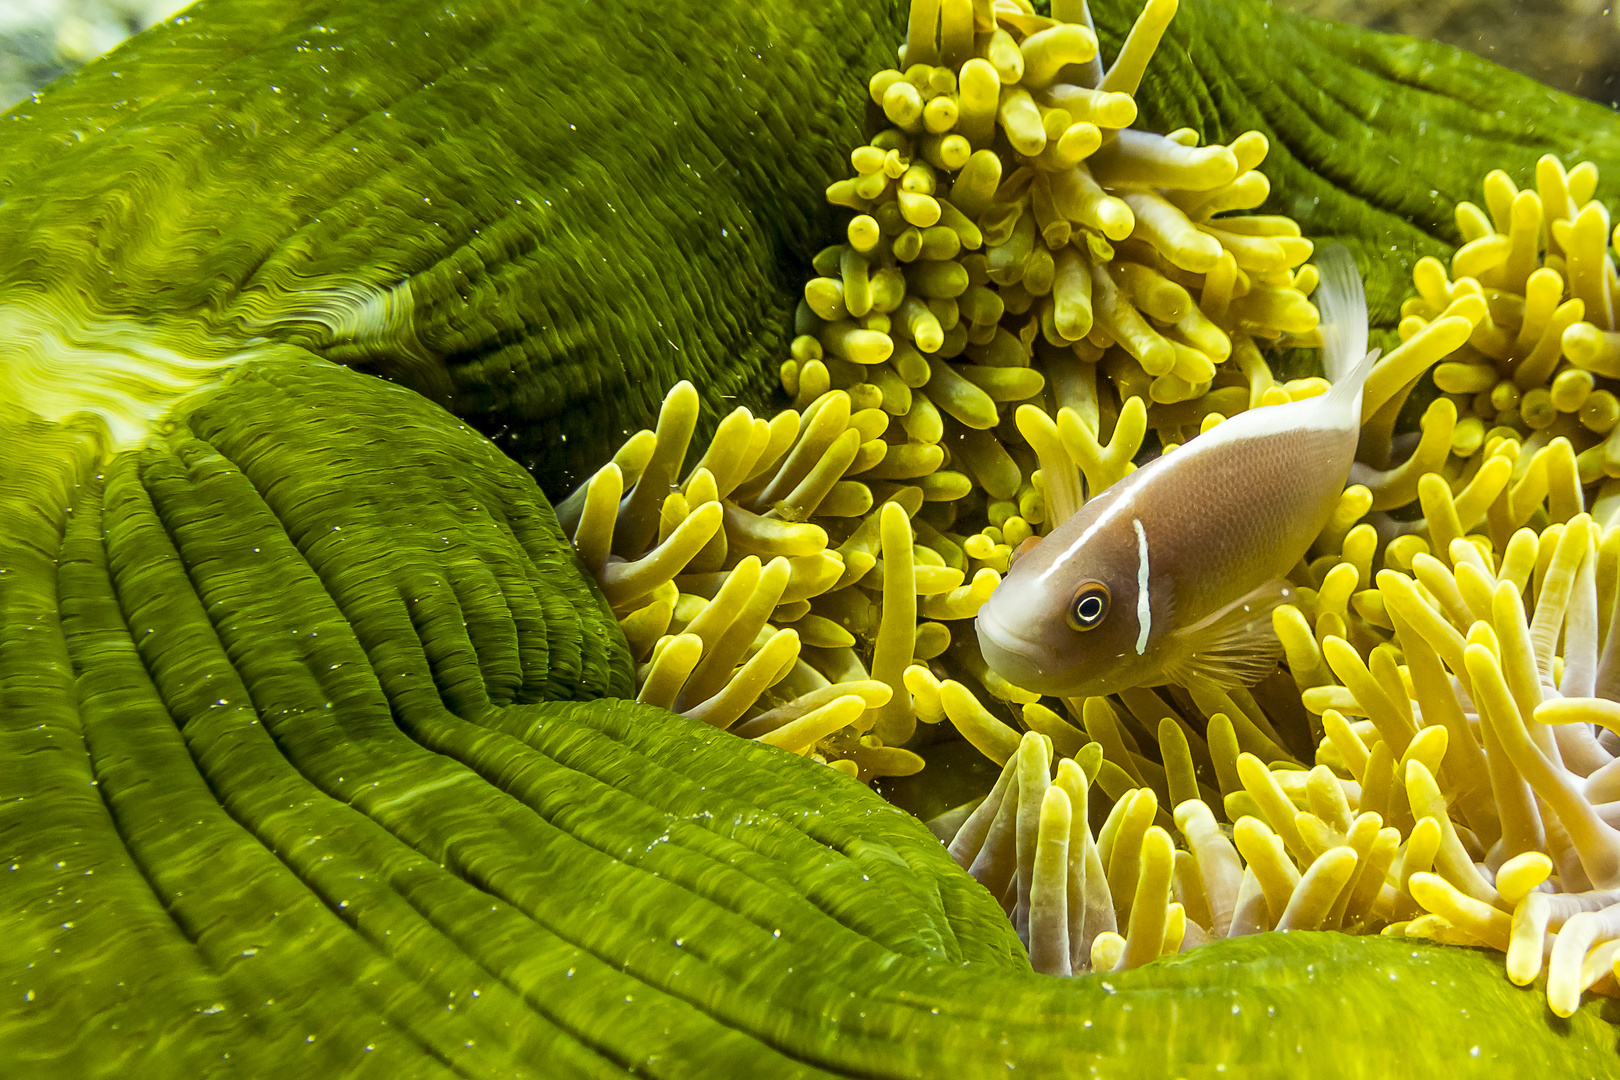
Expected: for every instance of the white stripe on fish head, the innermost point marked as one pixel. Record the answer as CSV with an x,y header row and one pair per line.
x,y
1091,530
1144,613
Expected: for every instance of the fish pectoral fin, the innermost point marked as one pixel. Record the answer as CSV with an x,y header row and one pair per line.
x,y
1234,646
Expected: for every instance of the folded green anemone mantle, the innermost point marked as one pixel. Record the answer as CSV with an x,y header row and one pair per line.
x,y
292,787
545,215
311,761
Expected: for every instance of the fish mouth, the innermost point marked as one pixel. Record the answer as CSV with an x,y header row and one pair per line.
x,y
1028,664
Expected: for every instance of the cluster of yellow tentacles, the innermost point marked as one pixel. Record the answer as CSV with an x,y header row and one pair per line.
x,y
1029,288
1461,786
1013,238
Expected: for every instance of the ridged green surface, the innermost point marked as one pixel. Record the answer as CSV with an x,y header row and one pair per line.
x,y
273,804
544,215
290,784
587,202
545,247
277,799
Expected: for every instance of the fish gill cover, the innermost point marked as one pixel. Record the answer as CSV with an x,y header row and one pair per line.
x,y
316,755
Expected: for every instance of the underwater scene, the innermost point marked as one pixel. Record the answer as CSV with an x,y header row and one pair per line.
x,y
882,538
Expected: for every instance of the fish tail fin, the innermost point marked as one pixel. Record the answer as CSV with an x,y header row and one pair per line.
x,y
1342,302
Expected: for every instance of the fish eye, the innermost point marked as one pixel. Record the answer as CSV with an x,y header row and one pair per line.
x,y
1089,606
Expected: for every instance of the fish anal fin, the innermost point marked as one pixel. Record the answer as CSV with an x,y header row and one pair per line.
x,y
1234,646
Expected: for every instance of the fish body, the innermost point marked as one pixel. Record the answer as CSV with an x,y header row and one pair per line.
x,y
1171,574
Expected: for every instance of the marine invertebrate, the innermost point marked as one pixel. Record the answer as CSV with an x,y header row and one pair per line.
x,y
884,333
1400,844
1510,696
722,556
1126,895
1341,845
381,848
1367,653
1461,792
1535,368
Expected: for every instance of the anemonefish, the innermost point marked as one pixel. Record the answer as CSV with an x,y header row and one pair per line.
x,y
1172,573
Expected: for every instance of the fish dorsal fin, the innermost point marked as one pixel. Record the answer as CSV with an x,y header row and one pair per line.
x,y
1342,304
1234,646
1348,389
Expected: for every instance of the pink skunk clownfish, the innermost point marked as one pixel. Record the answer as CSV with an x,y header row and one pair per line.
x,y
1172,573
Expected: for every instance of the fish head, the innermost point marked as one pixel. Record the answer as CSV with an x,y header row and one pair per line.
x,y
1069,617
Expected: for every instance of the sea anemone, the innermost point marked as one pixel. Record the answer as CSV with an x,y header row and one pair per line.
x,y
318,752
1004,250
1517,773
1038,293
